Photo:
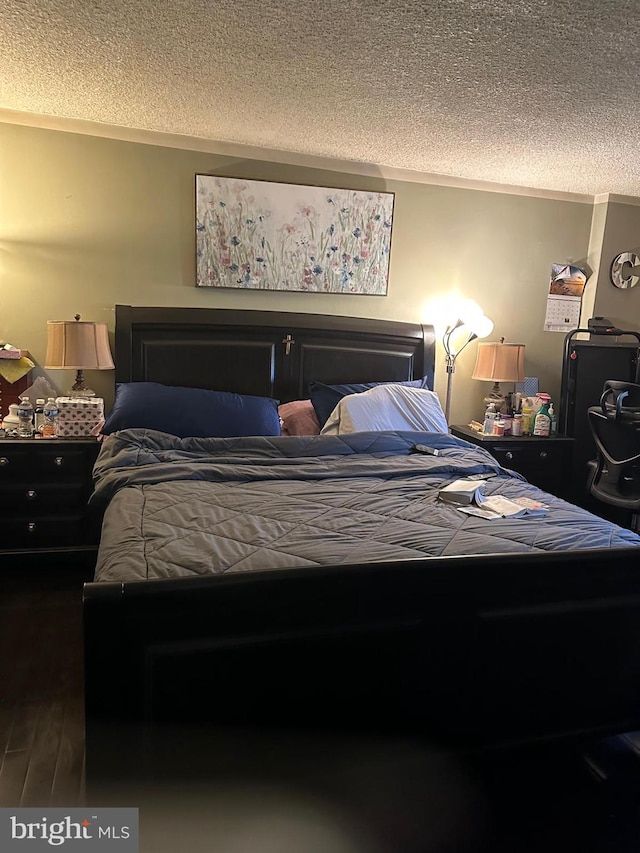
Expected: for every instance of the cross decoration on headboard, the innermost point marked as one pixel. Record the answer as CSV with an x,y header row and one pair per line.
x,y
288,341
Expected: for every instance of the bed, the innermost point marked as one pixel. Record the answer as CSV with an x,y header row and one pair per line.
x,y
317,581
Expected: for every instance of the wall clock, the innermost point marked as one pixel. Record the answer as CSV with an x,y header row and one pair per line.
x,y
622,270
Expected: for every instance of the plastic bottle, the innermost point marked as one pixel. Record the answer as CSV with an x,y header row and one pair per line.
x,y
489,418
539,400
25,418
50,420
542,425
516,424
554,420
38,415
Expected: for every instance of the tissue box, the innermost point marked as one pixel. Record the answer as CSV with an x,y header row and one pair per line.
x,y
77,416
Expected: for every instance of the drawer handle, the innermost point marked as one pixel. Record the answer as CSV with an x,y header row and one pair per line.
x,y
4,460
32,495
508,455
31,527
59,461
543,454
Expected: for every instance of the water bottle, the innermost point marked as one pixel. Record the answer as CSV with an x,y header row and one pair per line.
x,y
489,418
25,418
50,419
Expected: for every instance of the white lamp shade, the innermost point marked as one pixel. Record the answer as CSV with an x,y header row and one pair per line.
x,y
77,345
482,326
499,362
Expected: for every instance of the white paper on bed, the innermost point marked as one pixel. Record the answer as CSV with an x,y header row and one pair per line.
x,y
387,407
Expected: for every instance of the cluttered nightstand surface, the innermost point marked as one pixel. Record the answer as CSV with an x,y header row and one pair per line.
x,y
45,485
544,460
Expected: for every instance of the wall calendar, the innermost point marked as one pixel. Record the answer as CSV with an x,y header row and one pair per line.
x,y
565,298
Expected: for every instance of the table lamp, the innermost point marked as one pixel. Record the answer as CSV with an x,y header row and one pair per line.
x,y
499,362
80,346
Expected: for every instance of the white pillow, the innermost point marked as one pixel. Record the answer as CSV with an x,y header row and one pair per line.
x,y
387,407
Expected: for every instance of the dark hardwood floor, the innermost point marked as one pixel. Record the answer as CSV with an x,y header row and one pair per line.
x,y
41,681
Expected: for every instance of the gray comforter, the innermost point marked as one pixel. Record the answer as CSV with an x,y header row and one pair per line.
x,y
183,507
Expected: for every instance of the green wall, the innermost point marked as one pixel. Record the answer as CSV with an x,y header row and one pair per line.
x,y
88,222
621,234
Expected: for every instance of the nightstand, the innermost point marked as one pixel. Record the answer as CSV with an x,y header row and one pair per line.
x,y
544,461
45,485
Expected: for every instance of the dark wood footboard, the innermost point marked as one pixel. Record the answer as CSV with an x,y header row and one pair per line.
x,y
469,650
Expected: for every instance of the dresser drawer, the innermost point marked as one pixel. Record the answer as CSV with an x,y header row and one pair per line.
x,y
15,461
532,457
60,462
546,465
36,531
44,498
46,461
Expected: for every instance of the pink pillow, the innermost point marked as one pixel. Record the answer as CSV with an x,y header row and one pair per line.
x,y
298,418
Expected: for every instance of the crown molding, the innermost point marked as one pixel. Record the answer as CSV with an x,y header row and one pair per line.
x,y
613,198
274,155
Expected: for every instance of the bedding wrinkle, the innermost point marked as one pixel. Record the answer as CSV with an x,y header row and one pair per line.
x,y
212,531
121,542
191,507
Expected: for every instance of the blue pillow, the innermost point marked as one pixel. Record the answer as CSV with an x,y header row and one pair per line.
x,y
191,411
325,398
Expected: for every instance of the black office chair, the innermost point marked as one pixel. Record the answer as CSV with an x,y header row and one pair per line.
x,y
614,475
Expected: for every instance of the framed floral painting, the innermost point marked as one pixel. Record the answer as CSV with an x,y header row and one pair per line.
x,y
262,235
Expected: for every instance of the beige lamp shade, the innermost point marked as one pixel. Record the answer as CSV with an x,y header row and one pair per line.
x,y
77,346
499,362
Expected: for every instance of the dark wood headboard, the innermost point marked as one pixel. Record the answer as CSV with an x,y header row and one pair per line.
x,y
266,353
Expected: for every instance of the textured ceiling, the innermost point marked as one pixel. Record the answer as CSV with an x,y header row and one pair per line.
x,y
539,94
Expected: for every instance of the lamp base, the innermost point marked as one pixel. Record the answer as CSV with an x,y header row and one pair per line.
x,y
79,387
496,397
